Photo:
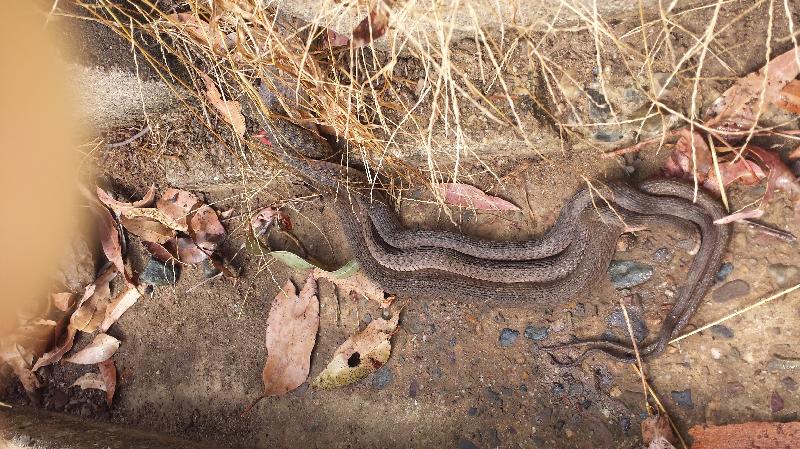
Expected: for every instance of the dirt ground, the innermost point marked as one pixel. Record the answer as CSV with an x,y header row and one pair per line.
x,y
192,354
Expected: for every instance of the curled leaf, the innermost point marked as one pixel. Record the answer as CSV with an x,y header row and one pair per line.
x,y
91,308
465,195
119,305
264,218
119,207
56,354
150,214
62,301
100,349
360,355
177,205
105,380
206,229
159,251
148,229
229,110
12,354
789,97
740,216
657,433
373,26
109,237
292,327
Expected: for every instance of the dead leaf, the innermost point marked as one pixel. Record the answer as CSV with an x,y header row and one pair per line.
x,y
795,154
100,349
152,214
148,229
229,110
56,354
203,33
789,97
359,356
292,327
11,353
121,303
119,207
335,39
465,195
356,283
206,229
109,237
63,301
766,435
159,251
657,433
264,218
105,380
740,216
189,252
91,308
373,26
178,205
736,109
680,163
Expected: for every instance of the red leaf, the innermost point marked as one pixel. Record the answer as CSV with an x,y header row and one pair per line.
x,y
177,205
108,372
468,196
373,26
336,39
206,229
789,98
109,237
119,207
119,305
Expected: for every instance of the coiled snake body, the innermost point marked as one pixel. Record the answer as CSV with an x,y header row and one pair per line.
x,y
560,264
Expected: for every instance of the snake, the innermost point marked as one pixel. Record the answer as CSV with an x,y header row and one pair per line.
x,y
558,265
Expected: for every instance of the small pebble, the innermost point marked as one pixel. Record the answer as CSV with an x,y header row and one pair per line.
x,y
776,402
662,255
789,383
557,390
784,275
508,337
617,319
413,388
575,389
731,290
724,271
722,331
625,424
493,397
716,354
382,378
473,411
537,333
627,273
683,398
159,273
466,444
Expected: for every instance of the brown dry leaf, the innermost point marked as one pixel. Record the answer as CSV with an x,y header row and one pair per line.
x,y
105,380
189,252
56,354
100,349
11,353
356,283
148,229
763,435
780,177
109,237
465,195
657,433
91,308
736,109
335,39
789,98
740,216
202,32
153,214
206,229
159,251
795,154
373,26
359,356
291,333
119,207
264,218
178,205
62,301
680,164
121,303
229,110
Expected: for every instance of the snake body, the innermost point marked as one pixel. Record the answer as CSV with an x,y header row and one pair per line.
x,y
558,265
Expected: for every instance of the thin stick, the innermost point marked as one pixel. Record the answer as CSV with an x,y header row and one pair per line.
x,y
636,351
720,181
144,131
736,313
3,404
663,410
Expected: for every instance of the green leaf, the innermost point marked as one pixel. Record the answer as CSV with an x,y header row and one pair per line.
x,y
347,270
292,260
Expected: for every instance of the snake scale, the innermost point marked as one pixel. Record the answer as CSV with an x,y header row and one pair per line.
x,y
558,265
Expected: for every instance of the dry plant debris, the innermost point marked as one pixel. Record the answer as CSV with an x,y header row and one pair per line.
x,y
657,433
105,380
465,195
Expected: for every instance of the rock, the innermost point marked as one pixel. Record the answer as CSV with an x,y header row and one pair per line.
x,y
627,273
716,354
662,255
724,271
466,444
624,424
157,272
778,364
473,411
722,331
683,398
534,332
617,319
413,388
435,372
784,275
776,402
491,437
508,337
382,378
789,383
731,290
557,389
493,397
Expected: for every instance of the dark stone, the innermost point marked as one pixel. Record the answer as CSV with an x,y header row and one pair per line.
x,y
617,319
523,388
157,272
536,333
724,271
586,404
491,437
413,388
557,389
466,444
722,330
731,290
624,424
435,372
382,378
776,402
627,273
508,337
789,383
784,275
493,397
683,398
473,411
662,255
452,342
575,389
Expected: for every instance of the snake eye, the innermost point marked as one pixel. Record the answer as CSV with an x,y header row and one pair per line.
x,y
354,360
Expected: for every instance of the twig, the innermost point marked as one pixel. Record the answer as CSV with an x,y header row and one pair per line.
x,y
638,357
141,133
662,409
3,404
769,230
736,313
